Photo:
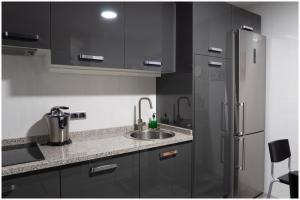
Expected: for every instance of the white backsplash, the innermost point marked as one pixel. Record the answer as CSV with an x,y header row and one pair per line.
x,y
29,90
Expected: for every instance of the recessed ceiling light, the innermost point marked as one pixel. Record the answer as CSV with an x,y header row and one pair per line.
x,y
108,14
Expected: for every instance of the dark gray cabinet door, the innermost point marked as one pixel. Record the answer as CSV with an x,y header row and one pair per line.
x,y
241,17
211,135
212,26
80,35
166,172
112,177
26,24
143,35
45,184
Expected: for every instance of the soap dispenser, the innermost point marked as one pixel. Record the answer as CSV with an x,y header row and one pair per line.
x,y
153,122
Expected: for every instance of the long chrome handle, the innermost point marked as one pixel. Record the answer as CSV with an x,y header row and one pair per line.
x,y
168,154
103,168
215,64
223,117
222,148
241,132
243,155
215,49
8,189
20,36
247,28
152,63
90,57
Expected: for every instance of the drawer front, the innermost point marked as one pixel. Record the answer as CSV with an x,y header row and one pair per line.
x,y
81,36
26,24
35,185
166,172
110,178
143,35
212,26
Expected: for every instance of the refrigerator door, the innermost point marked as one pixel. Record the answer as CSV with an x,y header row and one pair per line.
x,y
250,82
249,165
211,145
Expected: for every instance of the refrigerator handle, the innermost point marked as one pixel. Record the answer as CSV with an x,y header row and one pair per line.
x,y
241,121
243,155
242,152
223,117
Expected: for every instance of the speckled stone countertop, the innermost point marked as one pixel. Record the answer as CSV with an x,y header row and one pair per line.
x,y
91,145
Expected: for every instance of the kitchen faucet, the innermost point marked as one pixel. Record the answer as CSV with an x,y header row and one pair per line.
x,y
178,107
140,123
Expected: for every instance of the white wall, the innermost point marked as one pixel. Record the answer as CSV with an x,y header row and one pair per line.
x,y
29,90
280,25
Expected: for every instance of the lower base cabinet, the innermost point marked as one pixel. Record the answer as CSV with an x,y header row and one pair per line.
x,y
114,177
45,184
166,172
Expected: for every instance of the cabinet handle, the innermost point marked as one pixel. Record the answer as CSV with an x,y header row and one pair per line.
x,y
168,154
102,168
215,64
215,50
152,63
248,28
90,57
20,36
8,189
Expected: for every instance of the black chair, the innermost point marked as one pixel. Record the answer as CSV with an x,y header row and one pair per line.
x,y
293,179
279,151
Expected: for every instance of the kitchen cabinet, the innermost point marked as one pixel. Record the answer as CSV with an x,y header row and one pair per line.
x,y
143,35
211,135
241,17
212,27
26,24
166,172
82,34
44,184
105,178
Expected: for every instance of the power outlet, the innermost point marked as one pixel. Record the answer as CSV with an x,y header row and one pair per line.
x,y
78,116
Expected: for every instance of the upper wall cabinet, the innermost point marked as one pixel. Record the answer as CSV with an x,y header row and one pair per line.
x,y
26,24
212,25
244,19
143,35
87,34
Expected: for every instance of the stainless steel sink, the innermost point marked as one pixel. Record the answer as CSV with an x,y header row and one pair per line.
x,y
150,134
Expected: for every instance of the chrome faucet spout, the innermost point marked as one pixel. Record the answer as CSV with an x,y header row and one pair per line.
x,y
140,121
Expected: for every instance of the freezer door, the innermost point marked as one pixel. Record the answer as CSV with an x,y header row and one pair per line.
x,y
249,165
250,82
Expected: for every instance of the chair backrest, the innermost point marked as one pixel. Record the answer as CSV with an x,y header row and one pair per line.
x,y
279,150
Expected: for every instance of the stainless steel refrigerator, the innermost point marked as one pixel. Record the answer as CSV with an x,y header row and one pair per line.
x,y
229,120
248,106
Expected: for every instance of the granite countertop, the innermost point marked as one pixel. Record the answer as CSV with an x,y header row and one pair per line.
x,y
97,144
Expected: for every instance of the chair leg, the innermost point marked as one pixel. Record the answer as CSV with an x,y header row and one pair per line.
x,y
270,188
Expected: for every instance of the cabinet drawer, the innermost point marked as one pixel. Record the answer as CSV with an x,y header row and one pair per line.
x,y
241,17
166,172
106,178
43,184
212,26
26,24
81,36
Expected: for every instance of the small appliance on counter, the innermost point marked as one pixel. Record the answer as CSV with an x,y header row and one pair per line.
x,y
58,126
